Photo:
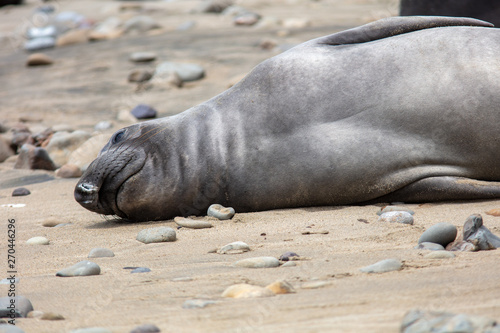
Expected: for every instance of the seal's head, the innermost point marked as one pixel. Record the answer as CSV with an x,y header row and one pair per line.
x,y
119,177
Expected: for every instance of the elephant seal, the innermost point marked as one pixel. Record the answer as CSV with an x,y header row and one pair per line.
x,y
488,10
402,109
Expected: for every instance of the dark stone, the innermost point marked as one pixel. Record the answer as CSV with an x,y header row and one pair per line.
x,y
31,157
287,255
22,306
20,192
146,328
141,270
143,111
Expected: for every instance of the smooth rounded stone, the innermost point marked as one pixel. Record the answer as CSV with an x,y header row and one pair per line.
x,y
441,254
220,212
196,303
234,248
39,240
9,280
83,268
100,252
441,233
246,291
214,6
51,222
281,287
143,111
396,217
39,59
315,284
40,43
103,126
429,246
35,314
139,76
296,23
494,212
146,328
142,56
40,32
192,224
51,316
395,209
141,270
20,192
289,264
62,144
288,256
88,151
110,28
140,24
383,266
182,279
75,36
156,235
34,158
22,306
167,81
186,72
258,262
8,328
91,330
247,19
5,149
69,171
184,26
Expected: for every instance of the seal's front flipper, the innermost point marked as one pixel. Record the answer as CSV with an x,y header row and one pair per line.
x,y
444,189
393,26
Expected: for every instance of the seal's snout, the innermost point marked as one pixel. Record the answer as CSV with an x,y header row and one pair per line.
x,y
86,193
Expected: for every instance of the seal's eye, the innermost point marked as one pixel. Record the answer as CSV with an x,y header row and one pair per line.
x,y
118,137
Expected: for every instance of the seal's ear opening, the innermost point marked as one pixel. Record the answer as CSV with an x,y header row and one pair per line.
x,y
393,26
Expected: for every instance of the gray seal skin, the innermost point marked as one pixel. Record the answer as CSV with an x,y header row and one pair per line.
x,y
403,109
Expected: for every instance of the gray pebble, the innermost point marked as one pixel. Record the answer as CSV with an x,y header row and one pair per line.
x,y
186,72
8,328
440,255
140,24
441,233
143,111
41,32
396,217
103,126
141,270
395,209
234,248
383,266
156,235
91,330
258,262
83,268
142,56
40,43
22,306
287,255
20,191
220,212
146,328
185,26
39,240
289,264
429,246
100,252
192,224
196,303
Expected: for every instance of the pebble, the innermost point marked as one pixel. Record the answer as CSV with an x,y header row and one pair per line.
x,y
51,222
441,254
143,111
91,330
186,72
246,291
296,23
69,171
494,212
182,279
146,328
281,287
31,157
34,314
184,26
429,246
314,284
395,209
100,252
40,43
234,248
258,262
140,24
88,151
75,36
287,255
51,316
139,76
156,235
142,56
220,212
441,233
107,29
247,19
103,126
192,224
20,192
214,6
5,150
39,59
62,144
196,303
417,321
23,306
383,266
8,328
41,32
396,217
83,268
39,240
141,270
289,264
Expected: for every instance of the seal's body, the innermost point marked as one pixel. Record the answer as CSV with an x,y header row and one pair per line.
x,y
401,109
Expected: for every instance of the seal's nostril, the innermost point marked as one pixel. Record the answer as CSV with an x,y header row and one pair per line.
x,y
88,188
